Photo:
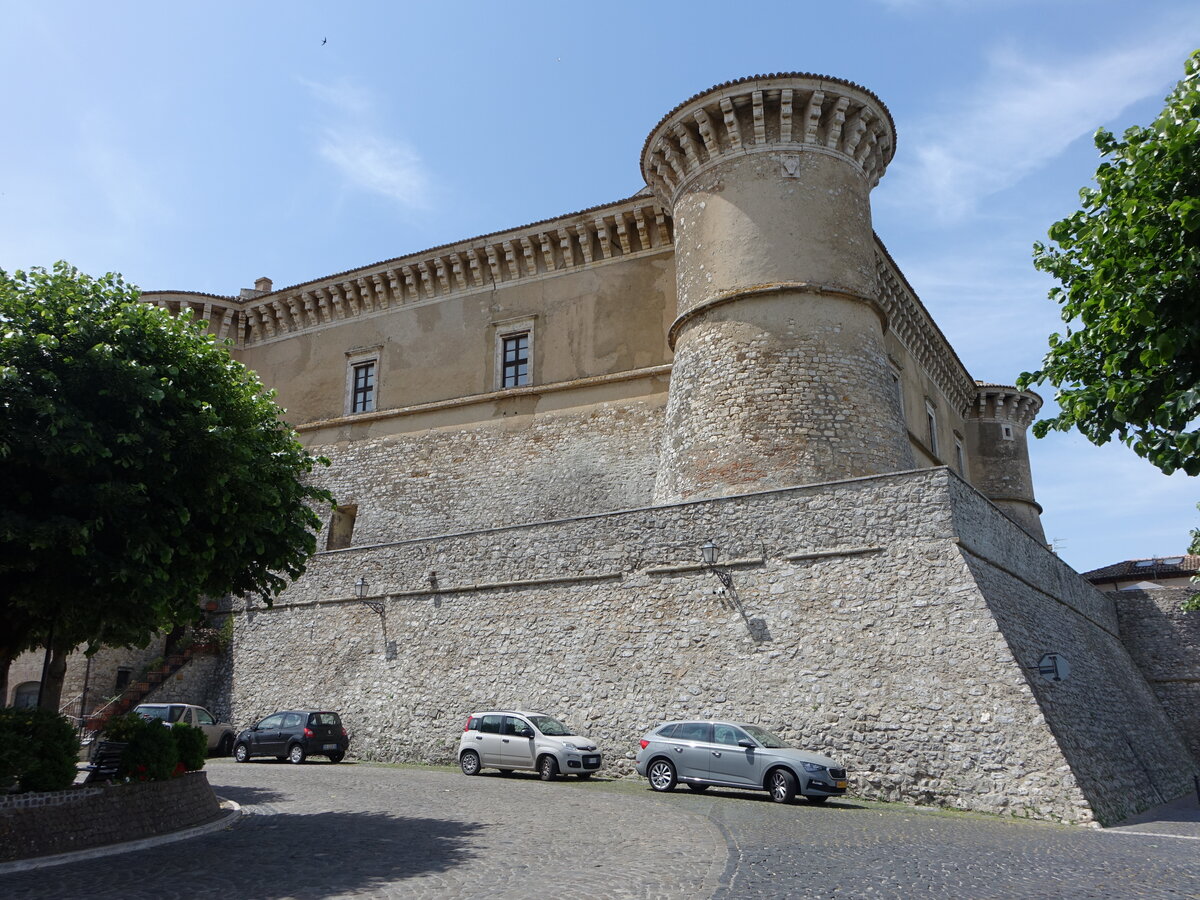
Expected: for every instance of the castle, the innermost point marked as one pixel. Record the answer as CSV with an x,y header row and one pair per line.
x,y
534,432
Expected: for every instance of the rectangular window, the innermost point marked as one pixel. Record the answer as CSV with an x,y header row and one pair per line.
x,y
362,397
513,359
960,458
931,421
341,527
515,363
897,388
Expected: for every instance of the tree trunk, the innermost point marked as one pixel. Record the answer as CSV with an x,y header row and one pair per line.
x,y
6,660
56,673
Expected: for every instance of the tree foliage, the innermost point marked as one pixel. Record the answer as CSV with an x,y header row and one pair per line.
x,y
143,467
1128,263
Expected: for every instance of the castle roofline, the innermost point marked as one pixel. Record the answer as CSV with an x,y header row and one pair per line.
x,y
643,192
825,79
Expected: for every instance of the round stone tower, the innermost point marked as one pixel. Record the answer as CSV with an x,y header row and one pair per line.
x,y
780,374
996,446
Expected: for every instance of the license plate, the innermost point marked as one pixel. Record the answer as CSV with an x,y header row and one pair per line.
x,y
329,747
591,762
841,784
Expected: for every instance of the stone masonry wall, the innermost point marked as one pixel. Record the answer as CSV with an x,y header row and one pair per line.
x,y
582,461
858,625
197,682
82,817
1103,712
1164,641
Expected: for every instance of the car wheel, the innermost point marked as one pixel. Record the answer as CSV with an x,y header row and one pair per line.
x,y
662,775
698,788
469,762
782,785
548,768
336,757
816,801
296,754
241,753
225,745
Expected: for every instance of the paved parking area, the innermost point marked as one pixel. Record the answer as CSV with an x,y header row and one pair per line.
x,y
355,830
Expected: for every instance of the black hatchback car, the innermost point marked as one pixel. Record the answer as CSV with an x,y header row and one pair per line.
x,y
294,735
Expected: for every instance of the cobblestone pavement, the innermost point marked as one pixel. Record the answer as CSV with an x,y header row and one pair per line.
x,y
321,830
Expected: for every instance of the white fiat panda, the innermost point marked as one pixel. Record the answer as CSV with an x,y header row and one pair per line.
x,y
508,739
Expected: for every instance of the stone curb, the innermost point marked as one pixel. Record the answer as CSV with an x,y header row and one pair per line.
x,y
232,810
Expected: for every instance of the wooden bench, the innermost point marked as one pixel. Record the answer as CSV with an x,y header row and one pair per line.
x,y
105,761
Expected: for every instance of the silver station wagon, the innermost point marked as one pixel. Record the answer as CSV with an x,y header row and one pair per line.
x,y
509,739
729,754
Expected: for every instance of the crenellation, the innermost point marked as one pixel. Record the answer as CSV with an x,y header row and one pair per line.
x,y
639,220
688,144
704,123
855,129
443,275
566,246
760,127
510,258
812,116
494,264
837,118
548,251
426,281
605,238
623,235
476,264
583,235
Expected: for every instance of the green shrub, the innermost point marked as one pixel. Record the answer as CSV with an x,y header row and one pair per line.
x,y
38,748
123,728
151,754
191,744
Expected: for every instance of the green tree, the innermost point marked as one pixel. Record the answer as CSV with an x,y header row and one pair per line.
x,y
143,469
1128,264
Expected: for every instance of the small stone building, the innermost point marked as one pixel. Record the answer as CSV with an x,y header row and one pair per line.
x,y
533,432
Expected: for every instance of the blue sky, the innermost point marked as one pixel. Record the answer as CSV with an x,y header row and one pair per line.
x,y
197,146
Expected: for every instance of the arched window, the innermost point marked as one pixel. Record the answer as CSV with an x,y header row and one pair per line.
x,y
26,695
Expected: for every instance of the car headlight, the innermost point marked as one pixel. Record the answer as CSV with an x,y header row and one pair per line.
x,y
813,767
569,746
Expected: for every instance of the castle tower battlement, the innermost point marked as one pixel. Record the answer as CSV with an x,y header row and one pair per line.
x,y
997,423
780,374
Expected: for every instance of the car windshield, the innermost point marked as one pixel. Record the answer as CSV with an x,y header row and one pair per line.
x,y
549,726
325,718
158,712
764,737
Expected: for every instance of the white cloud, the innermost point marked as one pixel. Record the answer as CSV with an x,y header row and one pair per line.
x,y
367,158
381,166
1025,111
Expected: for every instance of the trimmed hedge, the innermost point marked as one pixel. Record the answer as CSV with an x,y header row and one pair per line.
x,y
191,744
38,749
156,752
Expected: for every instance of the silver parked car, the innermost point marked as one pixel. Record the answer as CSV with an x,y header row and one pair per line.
x,y
508,739
729,754
220,734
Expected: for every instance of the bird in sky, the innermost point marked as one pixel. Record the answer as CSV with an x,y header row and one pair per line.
x,y
324,41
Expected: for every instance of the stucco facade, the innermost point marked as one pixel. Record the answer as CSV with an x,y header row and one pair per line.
x,y
532,432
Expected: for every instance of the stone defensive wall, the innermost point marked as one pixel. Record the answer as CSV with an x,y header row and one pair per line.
x,y
510,460
860,622
1165,643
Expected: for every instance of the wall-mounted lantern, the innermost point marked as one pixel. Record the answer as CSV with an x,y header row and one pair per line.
x,y
709,553
360,596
